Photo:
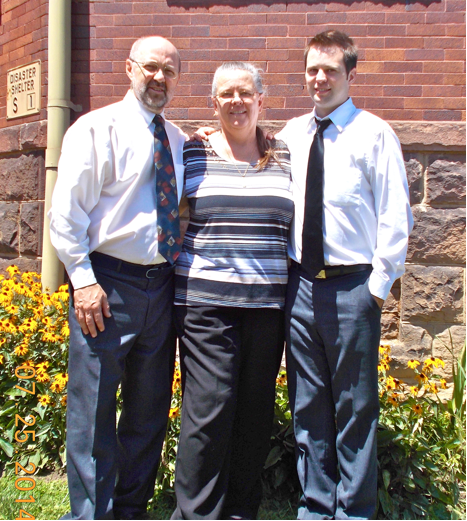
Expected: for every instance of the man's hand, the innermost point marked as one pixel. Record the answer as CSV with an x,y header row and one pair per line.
x,y
91,307
379,301
202,133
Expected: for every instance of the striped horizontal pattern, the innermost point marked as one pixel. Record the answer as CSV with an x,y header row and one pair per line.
x,y
235,247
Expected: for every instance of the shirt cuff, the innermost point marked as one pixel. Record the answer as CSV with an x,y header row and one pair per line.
x,y
82,276
379,286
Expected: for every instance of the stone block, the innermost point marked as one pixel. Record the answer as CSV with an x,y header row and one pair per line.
x,y
23,263
21,176
430,134
389,326
9,227
414,342
33,135
9,139
433,294
414,171
438,236
445,183
30,228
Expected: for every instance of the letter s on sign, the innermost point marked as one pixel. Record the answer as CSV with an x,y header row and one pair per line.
x,y
15,104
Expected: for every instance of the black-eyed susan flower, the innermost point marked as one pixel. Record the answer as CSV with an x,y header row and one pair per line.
x,y
417,408
44,400
413,364
390,383
393,401
443,383
56,387
21,349
414,390
422,378
174,413
42,366
42,377
64,400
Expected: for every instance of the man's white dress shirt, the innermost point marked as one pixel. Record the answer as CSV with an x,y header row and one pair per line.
x,y
366,210
104,199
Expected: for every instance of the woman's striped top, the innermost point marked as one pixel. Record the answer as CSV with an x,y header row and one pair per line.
x,y
235,248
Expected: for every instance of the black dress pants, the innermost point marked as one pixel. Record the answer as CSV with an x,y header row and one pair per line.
x,y
229,360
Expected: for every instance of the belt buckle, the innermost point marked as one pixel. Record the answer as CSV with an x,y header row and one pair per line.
x,y
321,275
147,273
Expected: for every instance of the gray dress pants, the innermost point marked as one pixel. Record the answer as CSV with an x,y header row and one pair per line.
x,y
111,472
333,334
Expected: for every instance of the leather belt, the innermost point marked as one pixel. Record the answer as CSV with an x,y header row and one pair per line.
x,y
127,268
332,271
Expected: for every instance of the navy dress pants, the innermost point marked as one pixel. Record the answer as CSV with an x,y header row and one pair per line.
x,y
111,472
333,333
229,360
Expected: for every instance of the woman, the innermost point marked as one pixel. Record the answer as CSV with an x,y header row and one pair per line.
x,y
230,289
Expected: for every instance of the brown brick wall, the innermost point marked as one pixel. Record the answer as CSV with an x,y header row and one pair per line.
x,y
412,58
23,39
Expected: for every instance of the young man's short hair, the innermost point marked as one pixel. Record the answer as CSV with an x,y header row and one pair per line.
x,y
338,39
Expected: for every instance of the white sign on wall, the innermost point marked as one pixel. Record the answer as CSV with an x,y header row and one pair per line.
x,y
24,91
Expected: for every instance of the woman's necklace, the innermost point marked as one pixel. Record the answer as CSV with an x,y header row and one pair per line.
x,y
235,162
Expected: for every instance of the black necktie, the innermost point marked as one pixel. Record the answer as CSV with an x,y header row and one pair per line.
x,y
312,236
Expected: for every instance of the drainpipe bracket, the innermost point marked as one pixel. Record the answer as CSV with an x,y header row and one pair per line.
x,y
63,103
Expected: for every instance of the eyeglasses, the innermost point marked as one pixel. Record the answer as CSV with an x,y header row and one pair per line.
x,y
152,68
230,96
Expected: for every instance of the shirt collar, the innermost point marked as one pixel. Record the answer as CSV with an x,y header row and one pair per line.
x,y
139,109
339,116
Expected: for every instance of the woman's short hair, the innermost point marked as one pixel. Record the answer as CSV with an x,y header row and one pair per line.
x,y
238,66
265,148
338,39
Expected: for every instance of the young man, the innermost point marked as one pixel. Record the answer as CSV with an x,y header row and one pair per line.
x,y
348,245
115,226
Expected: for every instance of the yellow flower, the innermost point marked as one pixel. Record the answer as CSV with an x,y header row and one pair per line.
x,y
12,270
413,364
282,378
434,388
433,362
417,408
174,413
443,384
390,383
61,379
384,349
42,366
63,401
42,376
56,387
422,378
2,358
21,350
65,331
392,400
44,400
414,390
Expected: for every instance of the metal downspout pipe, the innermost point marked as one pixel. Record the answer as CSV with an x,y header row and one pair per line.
x,y
58,121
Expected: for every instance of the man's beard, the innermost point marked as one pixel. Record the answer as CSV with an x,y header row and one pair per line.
x,y
154,101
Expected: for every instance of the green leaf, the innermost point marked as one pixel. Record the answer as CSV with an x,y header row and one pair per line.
x,y
7,447
274,456
386,478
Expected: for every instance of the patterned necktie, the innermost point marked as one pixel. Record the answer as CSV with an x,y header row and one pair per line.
x,y
168,220
312,236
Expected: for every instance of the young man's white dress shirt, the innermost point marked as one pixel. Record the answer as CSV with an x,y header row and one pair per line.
x,y
367,218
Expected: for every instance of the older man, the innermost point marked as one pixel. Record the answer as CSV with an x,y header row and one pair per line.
x,y
348,245
115,226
